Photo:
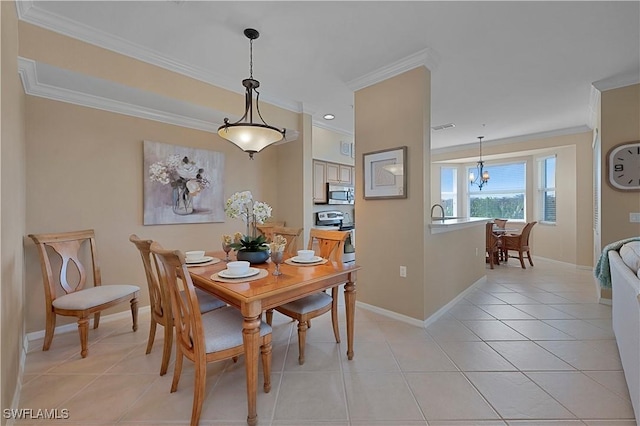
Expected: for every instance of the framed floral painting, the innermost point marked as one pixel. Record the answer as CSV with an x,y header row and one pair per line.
x,y
182,184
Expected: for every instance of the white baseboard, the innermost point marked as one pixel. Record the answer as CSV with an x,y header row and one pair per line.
x,y
603,301
35,335
418,323
440,312
390,314
559,262
21,364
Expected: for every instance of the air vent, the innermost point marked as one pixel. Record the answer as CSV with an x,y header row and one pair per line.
x,y
444,126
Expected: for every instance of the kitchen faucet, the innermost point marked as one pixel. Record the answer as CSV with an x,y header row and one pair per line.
x,y
441,209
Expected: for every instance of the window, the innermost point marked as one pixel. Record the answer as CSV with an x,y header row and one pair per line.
x,y
547,189
503,196
448,190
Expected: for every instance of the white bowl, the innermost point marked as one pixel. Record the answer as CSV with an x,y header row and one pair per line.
x,y
238,267
194,255
306,254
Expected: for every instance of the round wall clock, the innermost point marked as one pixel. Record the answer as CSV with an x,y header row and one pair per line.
x,y
623,162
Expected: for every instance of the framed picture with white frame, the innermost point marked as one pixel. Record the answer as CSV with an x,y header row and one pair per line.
x,y
384,174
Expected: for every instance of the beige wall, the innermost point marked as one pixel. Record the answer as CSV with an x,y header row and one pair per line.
x,y
620,121
570,239
85,171
391,231
85,165
326,146
395,232
12,212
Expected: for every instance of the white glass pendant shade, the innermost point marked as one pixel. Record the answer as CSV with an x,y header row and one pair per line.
x,y
250,137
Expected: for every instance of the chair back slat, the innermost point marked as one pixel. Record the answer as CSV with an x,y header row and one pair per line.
x,y
291,235
330,243
184,304
158,295
491,238
526,231
66,247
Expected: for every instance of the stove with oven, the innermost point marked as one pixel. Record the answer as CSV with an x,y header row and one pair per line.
x,y
335,220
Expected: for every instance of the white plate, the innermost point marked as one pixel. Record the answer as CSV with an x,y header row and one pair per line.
x,y
251,272
314,259
203,259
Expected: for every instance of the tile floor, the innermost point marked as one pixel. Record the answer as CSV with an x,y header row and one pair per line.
x,y
528,347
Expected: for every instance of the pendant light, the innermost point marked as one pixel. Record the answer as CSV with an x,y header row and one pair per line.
x,y
249,136
483,175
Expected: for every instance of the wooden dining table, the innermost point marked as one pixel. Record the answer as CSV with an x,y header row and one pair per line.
x,y
254,297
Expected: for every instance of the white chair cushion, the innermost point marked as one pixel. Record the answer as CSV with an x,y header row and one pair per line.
x,y
94,296
207,301
223,329
309,303
630,254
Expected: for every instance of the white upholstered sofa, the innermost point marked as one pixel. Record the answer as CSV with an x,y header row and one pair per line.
x,y
625,283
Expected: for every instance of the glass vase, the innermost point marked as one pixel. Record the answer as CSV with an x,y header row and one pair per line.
x,y
182,201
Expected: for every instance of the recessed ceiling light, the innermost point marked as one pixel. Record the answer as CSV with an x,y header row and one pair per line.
x,y
329,116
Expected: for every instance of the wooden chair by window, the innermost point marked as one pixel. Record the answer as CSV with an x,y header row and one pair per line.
x,y
291,235
519,243
493,245
77,300
501,224
266,229
160,301
203,338
331,246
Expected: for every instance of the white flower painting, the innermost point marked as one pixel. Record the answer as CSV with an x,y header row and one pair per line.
x,y
182,184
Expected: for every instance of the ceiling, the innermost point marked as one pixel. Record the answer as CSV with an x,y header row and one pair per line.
x,y
505,70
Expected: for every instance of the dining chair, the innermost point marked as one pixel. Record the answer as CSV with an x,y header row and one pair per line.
x,y
501,224
60,260
266,229
203,338
160,301
330,246
291,235
519,243
493,245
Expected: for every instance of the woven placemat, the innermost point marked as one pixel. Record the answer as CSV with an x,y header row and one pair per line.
x,y
319,262
263,273
211,262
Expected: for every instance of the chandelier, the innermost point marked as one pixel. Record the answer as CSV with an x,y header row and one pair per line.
x,y
482,176
249,136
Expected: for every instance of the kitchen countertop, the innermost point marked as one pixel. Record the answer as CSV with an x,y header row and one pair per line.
x,y
438,226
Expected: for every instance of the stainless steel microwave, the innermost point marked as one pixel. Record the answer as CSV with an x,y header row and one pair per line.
x,y
340,194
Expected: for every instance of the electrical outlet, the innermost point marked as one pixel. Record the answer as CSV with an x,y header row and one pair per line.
x,y
634,217
476,251
403,271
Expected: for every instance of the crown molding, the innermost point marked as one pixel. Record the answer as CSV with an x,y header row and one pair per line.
x,y
516,139
425,57
39,80
29,12
323,125
617,81
593,110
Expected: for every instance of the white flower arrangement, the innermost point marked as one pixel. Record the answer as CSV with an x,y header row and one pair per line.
x,y
242,205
